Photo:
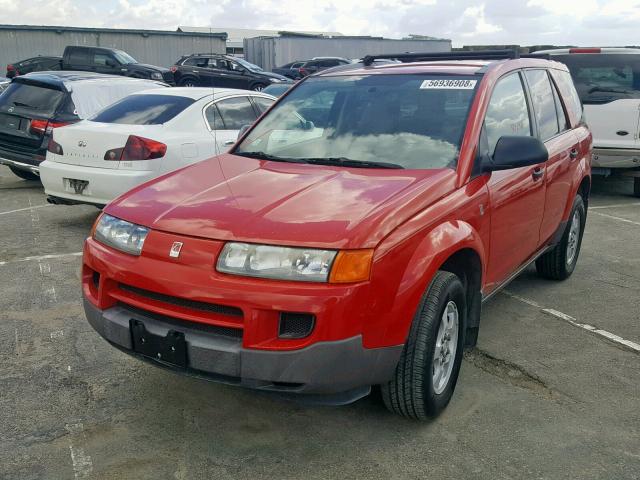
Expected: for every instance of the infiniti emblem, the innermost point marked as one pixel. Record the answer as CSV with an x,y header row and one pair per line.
x,y
82,143
10,109
175,249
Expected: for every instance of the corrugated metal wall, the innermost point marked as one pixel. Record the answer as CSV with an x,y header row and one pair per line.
x,y
270,52
156,48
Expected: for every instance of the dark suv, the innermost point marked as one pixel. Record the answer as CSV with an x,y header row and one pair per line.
x,y
215,70
318,64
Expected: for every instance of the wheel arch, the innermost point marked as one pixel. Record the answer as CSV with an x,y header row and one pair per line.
x,y
454,246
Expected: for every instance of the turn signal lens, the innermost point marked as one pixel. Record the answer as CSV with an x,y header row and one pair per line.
x,y
351,266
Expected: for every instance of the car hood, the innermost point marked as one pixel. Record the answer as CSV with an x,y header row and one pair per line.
x,y
147,67
274,75
237,198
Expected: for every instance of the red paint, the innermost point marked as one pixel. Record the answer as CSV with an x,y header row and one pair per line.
x,y
414,219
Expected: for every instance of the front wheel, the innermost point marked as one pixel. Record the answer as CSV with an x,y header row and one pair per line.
x,y
25,174
559,263
187,82
258,87
427,372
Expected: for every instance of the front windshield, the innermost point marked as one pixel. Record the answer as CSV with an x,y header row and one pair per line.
x,y
408,121
248,66
124,57
603,78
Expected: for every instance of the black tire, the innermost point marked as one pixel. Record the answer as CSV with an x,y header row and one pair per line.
x,y
187,82
636,187
25,174
411,392
556,264
258,87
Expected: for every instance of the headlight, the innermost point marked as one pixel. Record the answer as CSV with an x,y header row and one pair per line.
x,y
275,80
119,234
156,76
282,263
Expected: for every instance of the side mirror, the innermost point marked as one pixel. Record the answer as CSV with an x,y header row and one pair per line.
x,y
515,152
243,129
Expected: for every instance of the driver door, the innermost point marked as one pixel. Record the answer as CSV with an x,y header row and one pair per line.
x,y
517,196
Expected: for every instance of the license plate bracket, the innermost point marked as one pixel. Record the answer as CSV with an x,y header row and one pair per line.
x,y
76,186
170,349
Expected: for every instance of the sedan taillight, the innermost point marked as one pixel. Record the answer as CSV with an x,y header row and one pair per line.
x,y
54,147
137,148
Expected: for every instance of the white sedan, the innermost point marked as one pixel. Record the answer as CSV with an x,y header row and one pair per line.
x,y
141,137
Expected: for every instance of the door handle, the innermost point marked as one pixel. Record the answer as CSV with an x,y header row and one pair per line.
x,y
537,173
574,153
229,142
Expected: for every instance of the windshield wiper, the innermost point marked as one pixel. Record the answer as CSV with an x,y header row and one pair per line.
x,y
266,156
347,162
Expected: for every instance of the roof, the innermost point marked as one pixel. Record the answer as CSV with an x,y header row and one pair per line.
x,y
235,36
145,33
198,93
454,67
64,78
579,50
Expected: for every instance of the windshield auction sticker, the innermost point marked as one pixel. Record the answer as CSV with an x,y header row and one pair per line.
x,y
453,84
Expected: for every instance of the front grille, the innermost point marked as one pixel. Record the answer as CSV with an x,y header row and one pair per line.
x,y
183,302
182,324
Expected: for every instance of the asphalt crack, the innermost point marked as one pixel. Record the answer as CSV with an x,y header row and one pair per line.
x,y
509,372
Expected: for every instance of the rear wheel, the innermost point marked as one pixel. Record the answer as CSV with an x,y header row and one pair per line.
x,y
258,87
559,263
24,174
427,372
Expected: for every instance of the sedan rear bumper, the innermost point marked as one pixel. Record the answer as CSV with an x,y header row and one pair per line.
x,y
344,370
104,184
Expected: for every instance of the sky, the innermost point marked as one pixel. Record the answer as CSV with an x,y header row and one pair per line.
x,y
466,22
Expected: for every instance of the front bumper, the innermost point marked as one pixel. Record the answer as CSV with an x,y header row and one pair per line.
x,y
341,371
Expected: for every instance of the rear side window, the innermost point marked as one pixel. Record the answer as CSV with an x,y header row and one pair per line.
x,y
236,112
507,113
31,98
213,118
79,57
144,110
544,105
569,94
196,62
262,103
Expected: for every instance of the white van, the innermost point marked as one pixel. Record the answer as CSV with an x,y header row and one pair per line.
x,y
608,83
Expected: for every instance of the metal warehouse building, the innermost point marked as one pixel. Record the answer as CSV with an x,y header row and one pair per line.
x,y
273,51
157,47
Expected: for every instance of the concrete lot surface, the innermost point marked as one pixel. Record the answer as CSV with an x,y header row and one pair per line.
x,y
541,397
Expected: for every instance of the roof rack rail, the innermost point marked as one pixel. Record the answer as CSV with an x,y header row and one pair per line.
x,y
466,55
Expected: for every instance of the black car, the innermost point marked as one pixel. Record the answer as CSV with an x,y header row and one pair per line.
x,y
216,70
34,104
35,64
318,64
290,70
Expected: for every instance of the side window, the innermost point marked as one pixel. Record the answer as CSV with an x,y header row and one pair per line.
x,y
562,118
100,59
329,63
569,94
507,113
194,61
262,103
213,118
79,57
236,112
544,106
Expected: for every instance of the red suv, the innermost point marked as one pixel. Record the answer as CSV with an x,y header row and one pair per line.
x,y
351,235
